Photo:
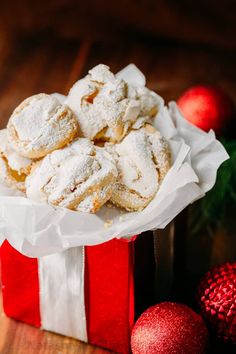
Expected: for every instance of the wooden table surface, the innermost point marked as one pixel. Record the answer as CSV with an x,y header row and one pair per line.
x,y
47,64
20,338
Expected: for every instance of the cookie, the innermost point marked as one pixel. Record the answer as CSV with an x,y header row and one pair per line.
x,y
13,167
79,177
143,159
39,125
150,102
101,105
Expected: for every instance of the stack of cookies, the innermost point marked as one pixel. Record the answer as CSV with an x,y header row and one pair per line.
x,y
99,145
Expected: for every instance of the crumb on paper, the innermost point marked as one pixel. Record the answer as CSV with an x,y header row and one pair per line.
x,y
108,223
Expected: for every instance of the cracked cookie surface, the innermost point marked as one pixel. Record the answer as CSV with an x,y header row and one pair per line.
x,y
80,177
107,107
13,167
143,159
39,125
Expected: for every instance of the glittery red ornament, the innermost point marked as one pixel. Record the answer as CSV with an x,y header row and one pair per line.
x,y
217,298
169,328
207,107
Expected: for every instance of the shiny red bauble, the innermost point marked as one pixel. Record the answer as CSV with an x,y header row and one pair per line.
x,y
217,298
207,107
169,328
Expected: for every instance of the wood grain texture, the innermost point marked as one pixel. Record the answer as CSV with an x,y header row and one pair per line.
x,y
46,64
19,338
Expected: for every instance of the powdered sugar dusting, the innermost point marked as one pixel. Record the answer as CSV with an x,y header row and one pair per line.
x,y
83,176
15,161
106,106
142,160
78,177
40,124
136,163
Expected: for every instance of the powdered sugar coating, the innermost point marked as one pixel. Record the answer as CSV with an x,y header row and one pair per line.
x,y
78,177
143,159
13,167
106,106
81,176
16,162
39,125
150,102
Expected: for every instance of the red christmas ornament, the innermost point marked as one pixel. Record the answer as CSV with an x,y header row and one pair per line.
x,y
207,107
217,298
169,328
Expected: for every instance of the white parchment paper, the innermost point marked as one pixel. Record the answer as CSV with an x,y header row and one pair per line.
x,y
39,229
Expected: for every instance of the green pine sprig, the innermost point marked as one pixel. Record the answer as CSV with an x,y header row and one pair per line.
x,y
218,208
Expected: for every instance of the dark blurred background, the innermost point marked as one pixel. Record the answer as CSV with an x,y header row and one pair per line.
x,y
45,46
210,22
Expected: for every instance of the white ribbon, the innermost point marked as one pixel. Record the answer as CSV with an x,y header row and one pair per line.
x,y
62,303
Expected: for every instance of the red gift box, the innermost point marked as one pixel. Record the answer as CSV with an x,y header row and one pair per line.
x,y
119,285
